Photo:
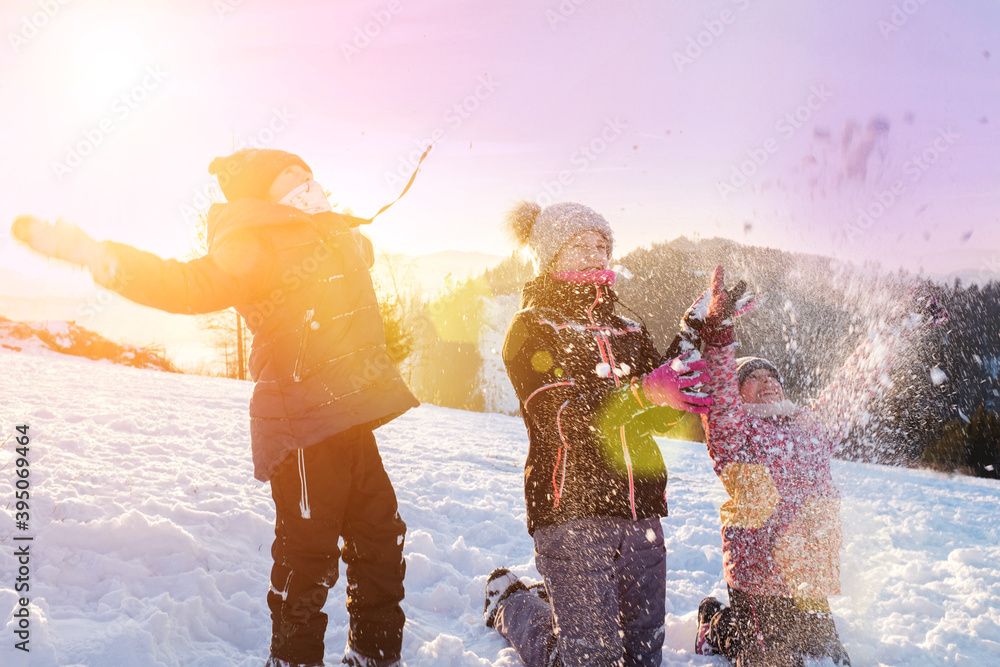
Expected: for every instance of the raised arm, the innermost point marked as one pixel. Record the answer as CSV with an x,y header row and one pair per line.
x,y
727,430
232,274
711,319
725,424
843,400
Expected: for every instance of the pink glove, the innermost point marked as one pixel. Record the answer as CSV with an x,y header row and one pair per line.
x,y
670,385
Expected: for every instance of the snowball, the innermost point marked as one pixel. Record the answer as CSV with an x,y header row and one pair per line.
x,y
938,377
622,271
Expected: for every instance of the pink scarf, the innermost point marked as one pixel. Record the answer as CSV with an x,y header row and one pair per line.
x,y
605,277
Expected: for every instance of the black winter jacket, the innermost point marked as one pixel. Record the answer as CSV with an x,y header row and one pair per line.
x,y
318,356
576,367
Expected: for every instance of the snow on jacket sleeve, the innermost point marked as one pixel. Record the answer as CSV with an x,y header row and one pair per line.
x,y
725,424
235,273
552,398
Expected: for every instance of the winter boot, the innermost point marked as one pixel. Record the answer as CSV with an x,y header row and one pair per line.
x,y
278,662
706,610
354,659
499,586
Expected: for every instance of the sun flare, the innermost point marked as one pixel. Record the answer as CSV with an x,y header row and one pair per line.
x,y
103,64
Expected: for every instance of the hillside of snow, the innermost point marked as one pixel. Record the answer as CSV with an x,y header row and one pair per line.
x,y
151,537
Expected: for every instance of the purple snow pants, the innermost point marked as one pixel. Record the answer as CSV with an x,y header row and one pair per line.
x,y
606,581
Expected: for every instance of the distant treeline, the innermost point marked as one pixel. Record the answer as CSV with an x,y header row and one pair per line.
x,y
939,406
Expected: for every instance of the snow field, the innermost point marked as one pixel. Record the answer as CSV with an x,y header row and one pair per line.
x,y
152,538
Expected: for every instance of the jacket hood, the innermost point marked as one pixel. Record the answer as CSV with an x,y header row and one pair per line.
x,y
246,213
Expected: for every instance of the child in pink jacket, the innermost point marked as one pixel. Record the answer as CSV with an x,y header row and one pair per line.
x,y
781,524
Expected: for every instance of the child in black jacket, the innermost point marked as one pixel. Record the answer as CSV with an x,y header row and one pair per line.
x,y
322,382
592,389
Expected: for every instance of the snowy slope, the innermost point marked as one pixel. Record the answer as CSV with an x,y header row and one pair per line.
x,y
152,538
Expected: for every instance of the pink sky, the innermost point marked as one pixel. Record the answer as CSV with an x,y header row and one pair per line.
x,y
534,82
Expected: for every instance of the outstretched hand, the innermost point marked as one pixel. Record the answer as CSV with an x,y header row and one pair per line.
x,y
62,240
931,312
674,384
712,315
917,312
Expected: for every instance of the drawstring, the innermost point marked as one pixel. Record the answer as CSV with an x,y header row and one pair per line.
x,y
614,298
284,593
405,190
304,497
599,299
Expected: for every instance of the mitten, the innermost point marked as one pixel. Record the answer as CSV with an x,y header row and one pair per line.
x,y
713,314
61,241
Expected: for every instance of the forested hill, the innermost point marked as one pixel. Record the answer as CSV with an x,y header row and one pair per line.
x,y
812,313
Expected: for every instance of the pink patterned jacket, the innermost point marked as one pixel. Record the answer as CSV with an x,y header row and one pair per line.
x,y
781,523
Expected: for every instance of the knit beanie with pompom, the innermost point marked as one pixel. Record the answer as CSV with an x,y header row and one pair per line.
x,y
546,231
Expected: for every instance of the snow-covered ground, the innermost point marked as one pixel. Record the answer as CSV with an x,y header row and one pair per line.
x,y
152,537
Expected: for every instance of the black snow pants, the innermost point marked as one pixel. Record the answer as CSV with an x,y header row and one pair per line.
x,y
331,490
763,631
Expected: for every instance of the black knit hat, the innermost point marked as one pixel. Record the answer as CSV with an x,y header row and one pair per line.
x,y
251,171
747,365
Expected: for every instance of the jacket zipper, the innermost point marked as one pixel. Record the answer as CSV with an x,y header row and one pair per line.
x,y
301,358
610,360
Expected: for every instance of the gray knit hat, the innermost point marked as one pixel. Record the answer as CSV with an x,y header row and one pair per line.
x,y
747,365
545,231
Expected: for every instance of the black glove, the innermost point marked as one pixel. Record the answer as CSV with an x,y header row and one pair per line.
x,y
712,315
